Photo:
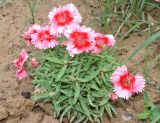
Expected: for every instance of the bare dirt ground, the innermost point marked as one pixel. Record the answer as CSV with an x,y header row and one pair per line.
x,y
14,19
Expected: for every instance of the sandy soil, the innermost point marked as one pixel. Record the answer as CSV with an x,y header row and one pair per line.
x,y
14,108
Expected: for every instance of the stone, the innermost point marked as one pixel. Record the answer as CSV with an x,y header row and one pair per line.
x,y
33,118
3,112
49,119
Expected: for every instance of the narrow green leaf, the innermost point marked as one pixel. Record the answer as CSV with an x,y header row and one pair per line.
x,y
84,106
79,109
147,100
90,77
72,118
65,91
54,60
80,120
61,99
61,73
102,111
99,93
94,86
57,108
144,44
90,100
104,102
58,88
108,109
40,81
113,109
77,92
129,31
40,96
64,113
78,70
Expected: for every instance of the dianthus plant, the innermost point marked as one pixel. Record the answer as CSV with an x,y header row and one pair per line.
x,y
75,71
77,87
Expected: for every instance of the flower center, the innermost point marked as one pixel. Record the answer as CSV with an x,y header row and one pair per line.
x,y
127,81
80,39
98,45
45,36
63,18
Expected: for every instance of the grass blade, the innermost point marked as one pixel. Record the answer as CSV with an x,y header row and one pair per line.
x,y
61,73
84,106
53,59
129,31
77,92
108,109
144,44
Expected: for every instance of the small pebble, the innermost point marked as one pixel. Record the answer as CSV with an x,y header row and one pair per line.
x,y
26,95
126,117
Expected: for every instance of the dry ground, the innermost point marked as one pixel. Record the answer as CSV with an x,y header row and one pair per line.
x,y
14,19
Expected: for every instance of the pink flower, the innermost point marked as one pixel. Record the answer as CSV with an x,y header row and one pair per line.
x,y
139,83
126,84
21,60
63,18
19,63
34,62
32,30
111,40
97,48
80,39
21,73
113,97
43,38
102,40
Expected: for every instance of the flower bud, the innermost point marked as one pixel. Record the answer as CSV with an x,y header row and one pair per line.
x,y
34,62
113,97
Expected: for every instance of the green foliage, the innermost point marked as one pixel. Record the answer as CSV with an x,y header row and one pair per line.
x,y
131,14
145,43
5,2
32,7
127,8
77,87
151,112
